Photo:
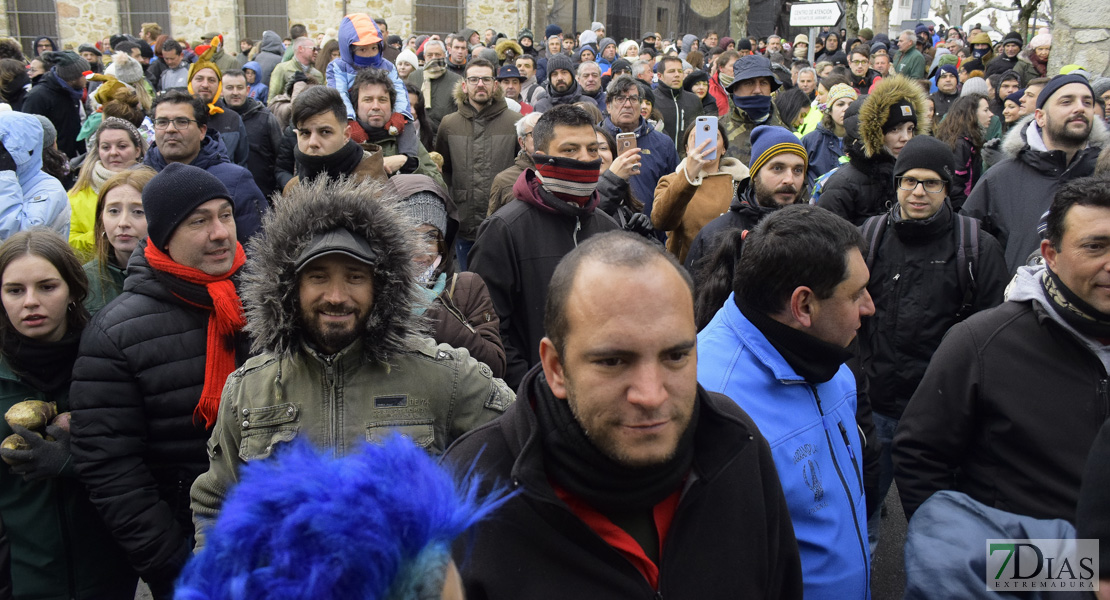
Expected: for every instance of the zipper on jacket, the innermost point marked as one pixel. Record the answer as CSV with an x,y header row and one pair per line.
x,y
851,453
844,483
577,228
1104,395
329,394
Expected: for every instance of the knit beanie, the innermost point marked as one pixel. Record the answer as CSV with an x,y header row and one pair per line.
x,y
947,69
425,208
587,37
175,193
851,119
926,152
525,33
1100,85
900,112
949,59
49,133
838,91
975,85
1040,40
68,64
621,64
1016,97
1012,37
1058,82
696,76
559,62
866,33
125,68
552,30
408,56
770,140
596,26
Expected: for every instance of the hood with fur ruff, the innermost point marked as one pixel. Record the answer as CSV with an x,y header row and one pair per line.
x,y
1015,139
269,285
875,110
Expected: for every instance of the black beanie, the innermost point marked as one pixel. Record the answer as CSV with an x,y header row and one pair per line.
x,y
173,194
900,112
926,152
851,119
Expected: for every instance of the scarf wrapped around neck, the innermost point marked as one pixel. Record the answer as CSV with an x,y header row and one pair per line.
x,y
335,165
1075,311
100,174
218,295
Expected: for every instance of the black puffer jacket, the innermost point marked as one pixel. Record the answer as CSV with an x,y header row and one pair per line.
x,y
917,296
264,136
52,100
136,442
679,109
743,213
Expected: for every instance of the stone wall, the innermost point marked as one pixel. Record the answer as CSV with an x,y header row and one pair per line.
x,y
191,19
1081,35
502,15
81,21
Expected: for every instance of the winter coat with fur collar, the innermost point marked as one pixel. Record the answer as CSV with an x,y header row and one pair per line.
x,y
391,379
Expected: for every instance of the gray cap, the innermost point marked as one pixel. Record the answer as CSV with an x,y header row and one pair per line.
x,y
425,208
49,133
337,241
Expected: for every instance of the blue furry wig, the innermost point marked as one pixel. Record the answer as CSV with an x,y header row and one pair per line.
x,y
374,525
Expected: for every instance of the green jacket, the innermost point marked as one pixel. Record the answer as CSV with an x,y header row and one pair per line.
x,y
103,287
60,548
425,165
283,71
432,395
738,130
911,64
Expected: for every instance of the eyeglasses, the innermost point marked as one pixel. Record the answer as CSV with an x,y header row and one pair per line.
x,y
477,80
179,123
626,100
932,186
859,62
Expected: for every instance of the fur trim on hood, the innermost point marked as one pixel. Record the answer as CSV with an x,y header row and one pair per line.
x,y
269,286
463,105
1015,139
502,45
875,110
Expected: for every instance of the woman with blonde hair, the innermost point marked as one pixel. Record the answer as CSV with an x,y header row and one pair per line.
x,y
116,146
120,226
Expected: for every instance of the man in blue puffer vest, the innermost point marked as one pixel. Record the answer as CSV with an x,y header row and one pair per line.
x,y
778,348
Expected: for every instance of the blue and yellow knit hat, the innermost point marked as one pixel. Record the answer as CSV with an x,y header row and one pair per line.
x,y
769,140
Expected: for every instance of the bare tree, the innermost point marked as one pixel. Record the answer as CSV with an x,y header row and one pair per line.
x,y
851,21
738,17
882,15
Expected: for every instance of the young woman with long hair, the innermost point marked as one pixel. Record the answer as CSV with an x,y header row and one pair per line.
x,y
964,129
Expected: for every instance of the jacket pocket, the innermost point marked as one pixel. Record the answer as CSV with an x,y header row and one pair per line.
x,y
264,427
420,431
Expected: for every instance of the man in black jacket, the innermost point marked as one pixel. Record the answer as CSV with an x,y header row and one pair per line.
x,y
632,477
561,87
151,368
678,107
518,247
919,286
1011,403
58,97
263,130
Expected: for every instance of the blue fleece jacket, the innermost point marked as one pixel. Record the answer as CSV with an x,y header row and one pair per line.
x,y
341,73
658,158
815,444
28,196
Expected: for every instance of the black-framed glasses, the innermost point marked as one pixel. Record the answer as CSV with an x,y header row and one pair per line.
x,y
179,123
626,99
477,80
933,186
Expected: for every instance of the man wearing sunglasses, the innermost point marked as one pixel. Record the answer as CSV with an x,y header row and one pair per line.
x,y
919,255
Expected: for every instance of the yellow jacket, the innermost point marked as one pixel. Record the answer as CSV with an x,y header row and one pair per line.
x,y
82,204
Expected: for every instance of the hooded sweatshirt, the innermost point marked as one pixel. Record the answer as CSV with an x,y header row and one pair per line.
x,y
259,91
30,197
341,73
269,55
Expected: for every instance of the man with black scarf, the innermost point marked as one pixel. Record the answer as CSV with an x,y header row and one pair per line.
x,y
1012,402
778,347
632,477
324,145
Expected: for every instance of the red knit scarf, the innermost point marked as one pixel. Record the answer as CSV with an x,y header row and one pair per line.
x,y
225,320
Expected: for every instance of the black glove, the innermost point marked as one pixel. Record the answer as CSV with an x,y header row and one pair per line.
x,y
639,223
45,459
7,163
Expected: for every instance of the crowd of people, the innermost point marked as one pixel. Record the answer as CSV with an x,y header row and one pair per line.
x,y
682,311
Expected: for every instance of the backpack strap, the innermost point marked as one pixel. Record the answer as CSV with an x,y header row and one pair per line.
x,y
967,256
873,232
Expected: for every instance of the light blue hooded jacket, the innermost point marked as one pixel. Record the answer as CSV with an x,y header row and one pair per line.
x,y
341,71
28,196
815,444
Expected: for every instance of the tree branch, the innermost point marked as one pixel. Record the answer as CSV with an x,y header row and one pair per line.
x,y
971,12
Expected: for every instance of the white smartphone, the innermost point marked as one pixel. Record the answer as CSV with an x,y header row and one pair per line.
x,y
706,129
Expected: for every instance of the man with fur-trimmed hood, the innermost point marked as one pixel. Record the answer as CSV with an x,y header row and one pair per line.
x,y
329,295
876,127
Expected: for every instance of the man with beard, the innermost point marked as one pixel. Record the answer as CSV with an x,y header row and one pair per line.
x,y
263,130
205,84
778,347
776,178
373,95
477,142
561,87
332,294
678,107
774,50
438,87
633,477
589,80
1058,143
948,91
324,145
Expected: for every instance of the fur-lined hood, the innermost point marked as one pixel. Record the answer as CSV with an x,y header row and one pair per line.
x,y
875,110
491,110
269,286
1016,139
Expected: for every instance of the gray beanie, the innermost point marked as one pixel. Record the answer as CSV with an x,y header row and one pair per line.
x,y
975,85
425,208
68,64
1100,85
49,133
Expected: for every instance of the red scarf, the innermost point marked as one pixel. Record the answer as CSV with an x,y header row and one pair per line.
x,y
226,319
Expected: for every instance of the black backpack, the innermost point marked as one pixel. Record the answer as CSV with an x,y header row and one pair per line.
x,y
967,254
